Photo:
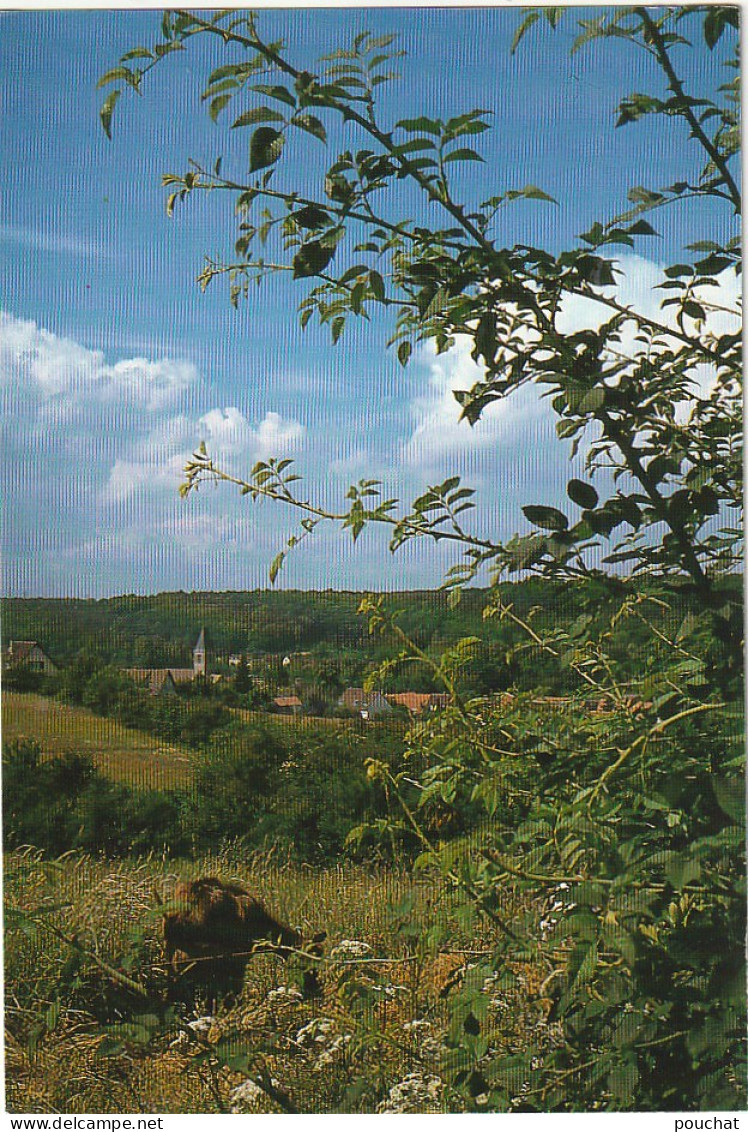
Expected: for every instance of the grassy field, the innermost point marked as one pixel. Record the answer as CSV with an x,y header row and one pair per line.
x,y
122,754
374,1042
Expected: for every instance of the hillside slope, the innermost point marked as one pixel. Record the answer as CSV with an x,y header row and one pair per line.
x,y
124,755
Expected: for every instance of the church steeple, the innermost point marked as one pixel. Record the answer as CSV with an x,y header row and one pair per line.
x,y
199,666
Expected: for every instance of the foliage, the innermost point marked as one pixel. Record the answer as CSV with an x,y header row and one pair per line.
x,y
301,789
110,692
625,815
62,804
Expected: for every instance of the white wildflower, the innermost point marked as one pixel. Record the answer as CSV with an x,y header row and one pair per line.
x,y
415,1093
557,902
202,1025
416,1025
246,1093
317,1032
199,1026
333,1052
284,994
391,990
350,949
500,1003
489,984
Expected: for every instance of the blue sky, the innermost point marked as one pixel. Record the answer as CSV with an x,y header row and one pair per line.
x,y
114,366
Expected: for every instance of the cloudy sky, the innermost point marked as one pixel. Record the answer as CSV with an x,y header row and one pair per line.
x,y
114,366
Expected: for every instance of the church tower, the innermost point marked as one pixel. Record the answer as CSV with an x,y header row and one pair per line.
x,y
199,667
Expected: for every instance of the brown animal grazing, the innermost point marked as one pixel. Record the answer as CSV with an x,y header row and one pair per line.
x,y
214,931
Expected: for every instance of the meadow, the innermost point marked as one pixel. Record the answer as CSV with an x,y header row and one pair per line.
x,y
90,1027
121,753
81,931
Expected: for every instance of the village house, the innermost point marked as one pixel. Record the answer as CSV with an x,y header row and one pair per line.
x,y
29,655
366,704
288,705
419,703
165,681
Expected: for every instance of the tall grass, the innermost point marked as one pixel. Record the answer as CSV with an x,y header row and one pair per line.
x,y
374,1041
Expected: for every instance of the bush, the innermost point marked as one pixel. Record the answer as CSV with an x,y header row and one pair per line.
x,y
63,803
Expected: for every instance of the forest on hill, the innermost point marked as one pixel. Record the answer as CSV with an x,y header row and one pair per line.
x,y
160,630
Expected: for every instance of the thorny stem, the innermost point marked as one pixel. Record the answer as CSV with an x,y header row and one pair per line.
x,y
113,973
676,86
643,740
506,611
456,880
456,211
633,459
340,211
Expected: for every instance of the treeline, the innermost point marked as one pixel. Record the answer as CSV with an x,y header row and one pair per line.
x,y
160,631
302,790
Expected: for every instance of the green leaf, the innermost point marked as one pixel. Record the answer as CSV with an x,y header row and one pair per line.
x,y
311,259
462,155
106,112
404,351
717,18
138,53
622,1082
730,795
549,518
682,869
218,104
339,189
522,29
593,269
278,92
642,228
532,192
593,401
258,114
117,74
376,283
415,125
312,125
311,217
275,566
413,146
582,494
265,148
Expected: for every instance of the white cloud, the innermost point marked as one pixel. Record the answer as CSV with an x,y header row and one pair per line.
x,y
439,432
156,462
227,432
278,437
94,456
149,476
42,366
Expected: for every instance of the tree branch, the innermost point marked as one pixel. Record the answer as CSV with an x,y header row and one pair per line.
x,y
676,86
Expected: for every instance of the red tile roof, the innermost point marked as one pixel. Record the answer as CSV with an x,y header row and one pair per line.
x,y
287,701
